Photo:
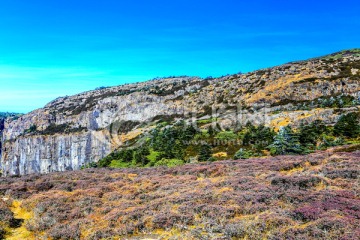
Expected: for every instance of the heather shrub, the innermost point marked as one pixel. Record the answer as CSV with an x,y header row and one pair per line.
x,y
303,182
169,220
342,173
7,219
6,216
65,232
290,198
2,232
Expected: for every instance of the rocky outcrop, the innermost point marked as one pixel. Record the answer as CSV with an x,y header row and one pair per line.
x,y
71,132
44,154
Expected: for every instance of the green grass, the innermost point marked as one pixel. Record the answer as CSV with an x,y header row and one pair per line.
x,y
120,164
349,148
169,162
206,121
353,141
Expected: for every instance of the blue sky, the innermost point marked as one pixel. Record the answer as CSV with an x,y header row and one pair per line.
x,y
63,47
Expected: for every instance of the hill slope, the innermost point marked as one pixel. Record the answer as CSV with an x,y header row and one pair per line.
x,y
75,131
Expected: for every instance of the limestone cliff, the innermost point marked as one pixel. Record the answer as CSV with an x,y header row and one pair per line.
x,y
70,132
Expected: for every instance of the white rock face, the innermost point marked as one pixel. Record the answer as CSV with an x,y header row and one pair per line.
x,y
45,154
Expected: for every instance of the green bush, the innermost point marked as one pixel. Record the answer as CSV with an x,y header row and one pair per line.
x,y
203,135
243,154
171,141
125,156
140,156
32,129
54,129
90,165
330,141
227,136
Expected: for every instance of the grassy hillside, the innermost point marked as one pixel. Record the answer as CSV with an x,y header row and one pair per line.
x,y
287,197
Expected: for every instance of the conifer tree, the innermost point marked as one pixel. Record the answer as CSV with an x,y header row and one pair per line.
x,y
348,125
205,152
286,142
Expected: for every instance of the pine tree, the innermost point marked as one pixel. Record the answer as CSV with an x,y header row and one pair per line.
x,y
310,134
205,152
348,125
286,142
189,133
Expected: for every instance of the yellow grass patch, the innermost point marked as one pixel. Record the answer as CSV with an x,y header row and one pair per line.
x,y
131,135
20,233
166,234
220,154
275,87
280,122
19,212
321,186
225,189
292,171
132,176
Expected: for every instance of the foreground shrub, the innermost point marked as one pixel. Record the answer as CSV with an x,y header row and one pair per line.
x,y
303,182
294,197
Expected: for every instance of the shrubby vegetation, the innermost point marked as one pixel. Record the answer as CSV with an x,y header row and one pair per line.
x,y
174,144
7,219
297,197
169,162
243,154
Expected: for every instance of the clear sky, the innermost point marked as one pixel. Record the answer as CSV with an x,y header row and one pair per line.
x,y
61,47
